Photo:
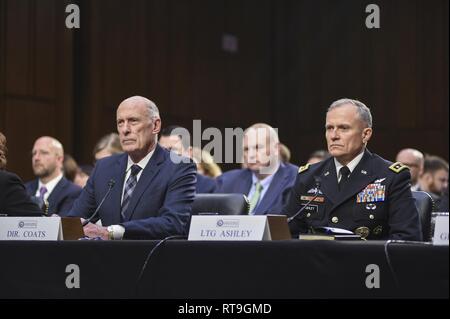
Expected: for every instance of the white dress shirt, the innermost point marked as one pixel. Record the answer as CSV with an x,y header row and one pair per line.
x,y
351,165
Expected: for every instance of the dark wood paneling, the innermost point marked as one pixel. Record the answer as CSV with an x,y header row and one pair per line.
x,y
26,120
294,58
36,78
399,70
18,46
44,30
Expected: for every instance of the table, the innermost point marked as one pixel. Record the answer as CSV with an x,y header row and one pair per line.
x,y
290,269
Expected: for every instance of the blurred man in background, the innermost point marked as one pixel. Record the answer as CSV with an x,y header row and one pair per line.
x,y
51,186
265,180
414,160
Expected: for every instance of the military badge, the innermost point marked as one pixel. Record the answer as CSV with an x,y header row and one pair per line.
x,y
362,231
398,167
372,193
314,190
303,168
319,199
378,230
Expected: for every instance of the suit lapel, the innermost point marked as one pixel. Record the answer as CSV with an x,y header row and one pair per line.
x,y
116,193
32,187
246,184
361,176
54,196
273,192
149,172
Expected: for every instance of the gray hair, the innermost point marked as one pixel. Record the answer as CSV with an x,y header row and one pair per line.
x,y
152,109
362,109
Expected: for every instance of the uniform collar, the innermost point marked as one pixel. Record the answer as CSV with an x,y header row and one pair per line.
x,y
351,165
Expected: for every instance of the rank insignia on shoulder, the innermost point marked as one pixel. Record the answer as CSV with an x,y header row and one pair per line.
x,y
398,167
303,168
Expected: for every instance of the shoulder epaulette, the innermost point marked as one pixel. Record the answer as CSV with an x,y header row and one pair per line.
x,y
398,167
303,168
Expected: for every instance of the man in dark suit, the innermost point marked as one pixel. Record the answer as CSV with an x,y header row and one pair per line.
x,y
153,190
177,139
51,186
354,189
265,180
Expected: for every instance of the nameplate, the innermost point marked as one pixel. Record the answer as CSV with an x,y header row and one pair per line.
x,y
237,227
30,228
440,235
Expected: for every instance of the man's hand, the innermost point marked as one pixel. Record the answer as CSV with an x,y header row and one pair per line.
x,y
92,231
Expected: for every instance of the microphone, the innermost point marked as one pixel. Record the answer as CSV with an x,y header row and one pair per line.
x,y
318,182
111,184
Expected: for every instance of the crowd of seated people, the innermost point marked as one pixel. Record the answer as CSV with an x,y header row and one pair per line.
x,y
152,173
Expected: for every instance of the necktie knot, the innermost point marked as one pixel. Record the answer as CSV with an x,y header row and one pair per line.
x,y
345,171
135,169
42,191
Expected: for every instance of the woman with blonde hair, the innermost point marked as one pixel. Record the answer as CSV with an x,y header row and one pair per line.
x,y
205,163
108,145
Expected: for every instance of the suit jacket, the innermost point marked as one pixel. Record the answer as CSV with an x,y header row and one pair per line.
x,y
14,200
240,181
205,184
160,205
376,202
62,197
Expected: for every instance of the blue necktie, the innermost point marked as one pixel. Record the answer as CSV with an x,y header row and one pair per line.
x,y
129,188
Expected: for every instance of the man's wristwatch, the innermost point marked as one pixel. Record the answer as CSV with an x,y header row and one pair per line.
x,y
110,233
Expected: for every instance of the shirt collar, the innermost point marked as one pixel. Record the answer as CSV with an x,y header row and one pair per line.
x,y
50,185
142,163
351,165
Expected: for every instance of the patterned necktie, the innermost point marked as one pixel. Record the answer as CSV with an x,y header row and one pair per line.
x,y
129,188
255,197
345,172
42,192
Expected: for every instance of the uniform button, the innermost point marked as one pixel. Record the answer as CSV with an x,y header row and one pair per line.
x,y
308,215
371,216
335,220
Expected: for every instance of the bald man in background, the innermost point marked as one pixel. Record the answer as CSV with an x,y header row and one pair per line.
x,y
414,160
51,186
265,180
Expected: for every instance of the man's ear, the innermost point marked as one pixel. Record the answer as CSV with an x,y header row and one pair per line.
x,y
366,134
156,125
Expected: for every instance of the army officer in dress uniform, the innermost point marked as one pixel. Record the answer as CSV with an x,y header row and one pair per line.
x,y
354,189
